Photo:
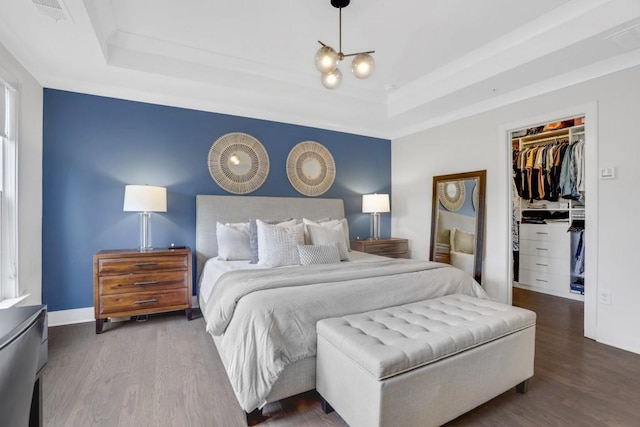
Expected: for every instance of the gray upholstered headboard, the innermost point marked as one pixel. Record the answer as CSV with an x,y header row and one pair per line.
x,y
212,209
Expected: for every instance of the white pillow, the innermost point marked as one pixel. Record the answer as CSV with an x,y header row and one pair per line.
x,y
278,244
253,235
321,235
319,254
329,223
233,241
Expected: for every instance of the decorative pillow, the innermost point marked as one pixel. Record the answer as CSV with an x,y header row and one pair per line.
x,y
461,241
233,241
443,236
321,235
278,244
319,254
253,235
330,223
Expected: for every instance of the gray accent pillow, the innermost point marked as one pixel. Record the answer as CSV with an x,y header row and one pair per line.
x,y
319,254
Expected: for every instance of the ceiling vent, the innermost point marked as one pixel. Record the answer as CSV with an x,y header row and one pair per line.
x,y
53,9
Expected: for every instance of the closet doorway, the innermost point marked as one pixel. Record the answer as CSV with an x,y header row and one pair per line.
x,y
552,181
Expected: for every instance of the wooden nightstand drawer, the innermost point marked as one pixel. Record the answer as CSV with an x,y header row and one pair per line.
x,y
391,247
142,282
143,302
136,264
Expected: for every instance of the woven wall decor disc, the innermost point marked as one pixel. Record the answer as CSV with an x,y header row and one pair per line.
x,y
310,168
474,196
452,194
238,163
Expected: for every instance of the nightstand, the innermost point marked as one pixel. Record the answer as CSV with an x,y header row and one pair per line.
x,y
391,247
443,253
128,282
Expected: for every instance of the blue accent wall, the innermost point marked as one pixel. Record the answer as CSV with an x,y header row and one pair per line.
x,y
93,146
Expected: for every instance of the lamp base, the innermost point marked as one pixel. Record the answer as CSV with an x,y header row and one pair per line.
x,y
145,232
375,226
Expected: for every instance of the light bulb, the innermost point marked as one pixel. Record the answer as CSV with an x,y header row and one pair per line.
x,y
326,59
332,80
362,65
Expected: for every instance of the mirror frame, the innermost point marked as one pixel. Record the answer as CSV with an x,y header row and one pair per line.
x,y
481,176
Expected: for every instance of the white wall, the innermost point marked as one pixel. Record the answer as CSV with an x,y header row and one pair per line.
x,y
475,143
29,175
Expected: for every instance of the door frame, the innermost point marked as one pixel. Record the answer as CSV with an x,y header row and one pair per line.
x,y
590,112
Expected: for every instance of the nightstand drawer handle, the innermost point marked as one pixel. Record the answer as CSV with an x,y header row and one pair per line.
x,y
146,301
144,264
542,265
540,232
542,249
541,280
150,282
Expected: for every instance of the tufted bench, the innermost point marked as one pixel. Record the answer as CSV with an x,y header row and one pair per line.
x,y
425,363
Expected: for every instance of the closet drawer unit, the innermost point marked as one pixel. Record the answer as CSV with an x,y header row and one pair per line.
x,y
544,264
554,232
547,249
553,282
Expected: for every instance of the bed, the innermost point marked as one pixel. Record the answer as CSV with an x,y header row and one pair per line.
x,y
262,320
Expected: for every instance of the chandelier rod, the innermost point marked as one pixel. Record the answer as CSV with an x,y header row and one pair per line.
x,y
340,34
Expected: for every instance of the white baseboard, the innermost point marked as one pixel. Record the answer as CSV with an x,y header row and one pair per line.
x,y
83,315
69,317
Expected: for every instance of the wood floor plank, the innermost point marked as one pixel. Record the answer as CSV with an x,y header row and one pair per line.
x,y
167,372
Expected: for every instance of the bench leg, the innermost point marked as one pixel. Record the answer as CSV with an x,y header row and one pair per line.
x,y
326,407
254,417
523,387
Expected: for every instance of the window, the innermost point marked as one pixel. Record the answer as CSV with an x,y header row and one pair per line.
x,y
8,194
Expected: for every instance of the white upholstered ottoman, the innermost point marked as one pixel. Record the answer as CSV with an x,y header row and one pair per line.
x,y
423,364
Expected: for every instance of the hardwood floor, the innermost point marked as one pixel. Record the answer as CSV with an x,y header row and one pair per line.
x,y
166,372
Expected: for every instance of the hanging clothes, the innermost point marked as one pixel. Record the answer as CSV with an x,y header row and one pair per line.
x,y
579,257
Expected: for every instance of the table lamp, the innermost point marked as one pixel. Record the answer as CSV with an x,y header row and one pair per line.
x,y
145,199
375,204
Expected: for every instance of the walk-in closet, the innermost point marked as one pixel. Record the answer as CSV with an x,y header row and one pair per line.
x,y
548,216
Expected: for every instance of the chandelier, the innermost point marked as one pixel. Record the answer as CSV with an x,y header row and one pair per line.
x,y
327,58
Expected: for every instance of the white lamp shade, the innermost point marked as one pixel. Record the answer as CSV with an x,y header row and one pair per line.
x,y
145,198
375,203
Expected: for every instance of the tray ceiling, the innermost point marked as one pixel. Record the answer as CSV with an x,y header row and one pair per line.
x,y
436,60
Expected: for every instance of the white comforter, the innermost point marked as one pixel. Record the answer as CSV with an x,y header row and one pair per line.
x,y
267,317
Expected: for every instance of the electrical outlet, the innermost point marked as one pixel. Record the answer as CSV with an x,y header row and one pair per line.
x,y
605,296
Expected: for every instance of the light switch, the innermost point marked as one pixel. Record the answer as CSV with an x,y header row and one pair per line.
x,y
607,173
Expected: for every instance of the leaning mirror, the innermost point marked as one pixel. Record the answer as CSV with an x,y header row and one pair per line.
x,y
457,221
